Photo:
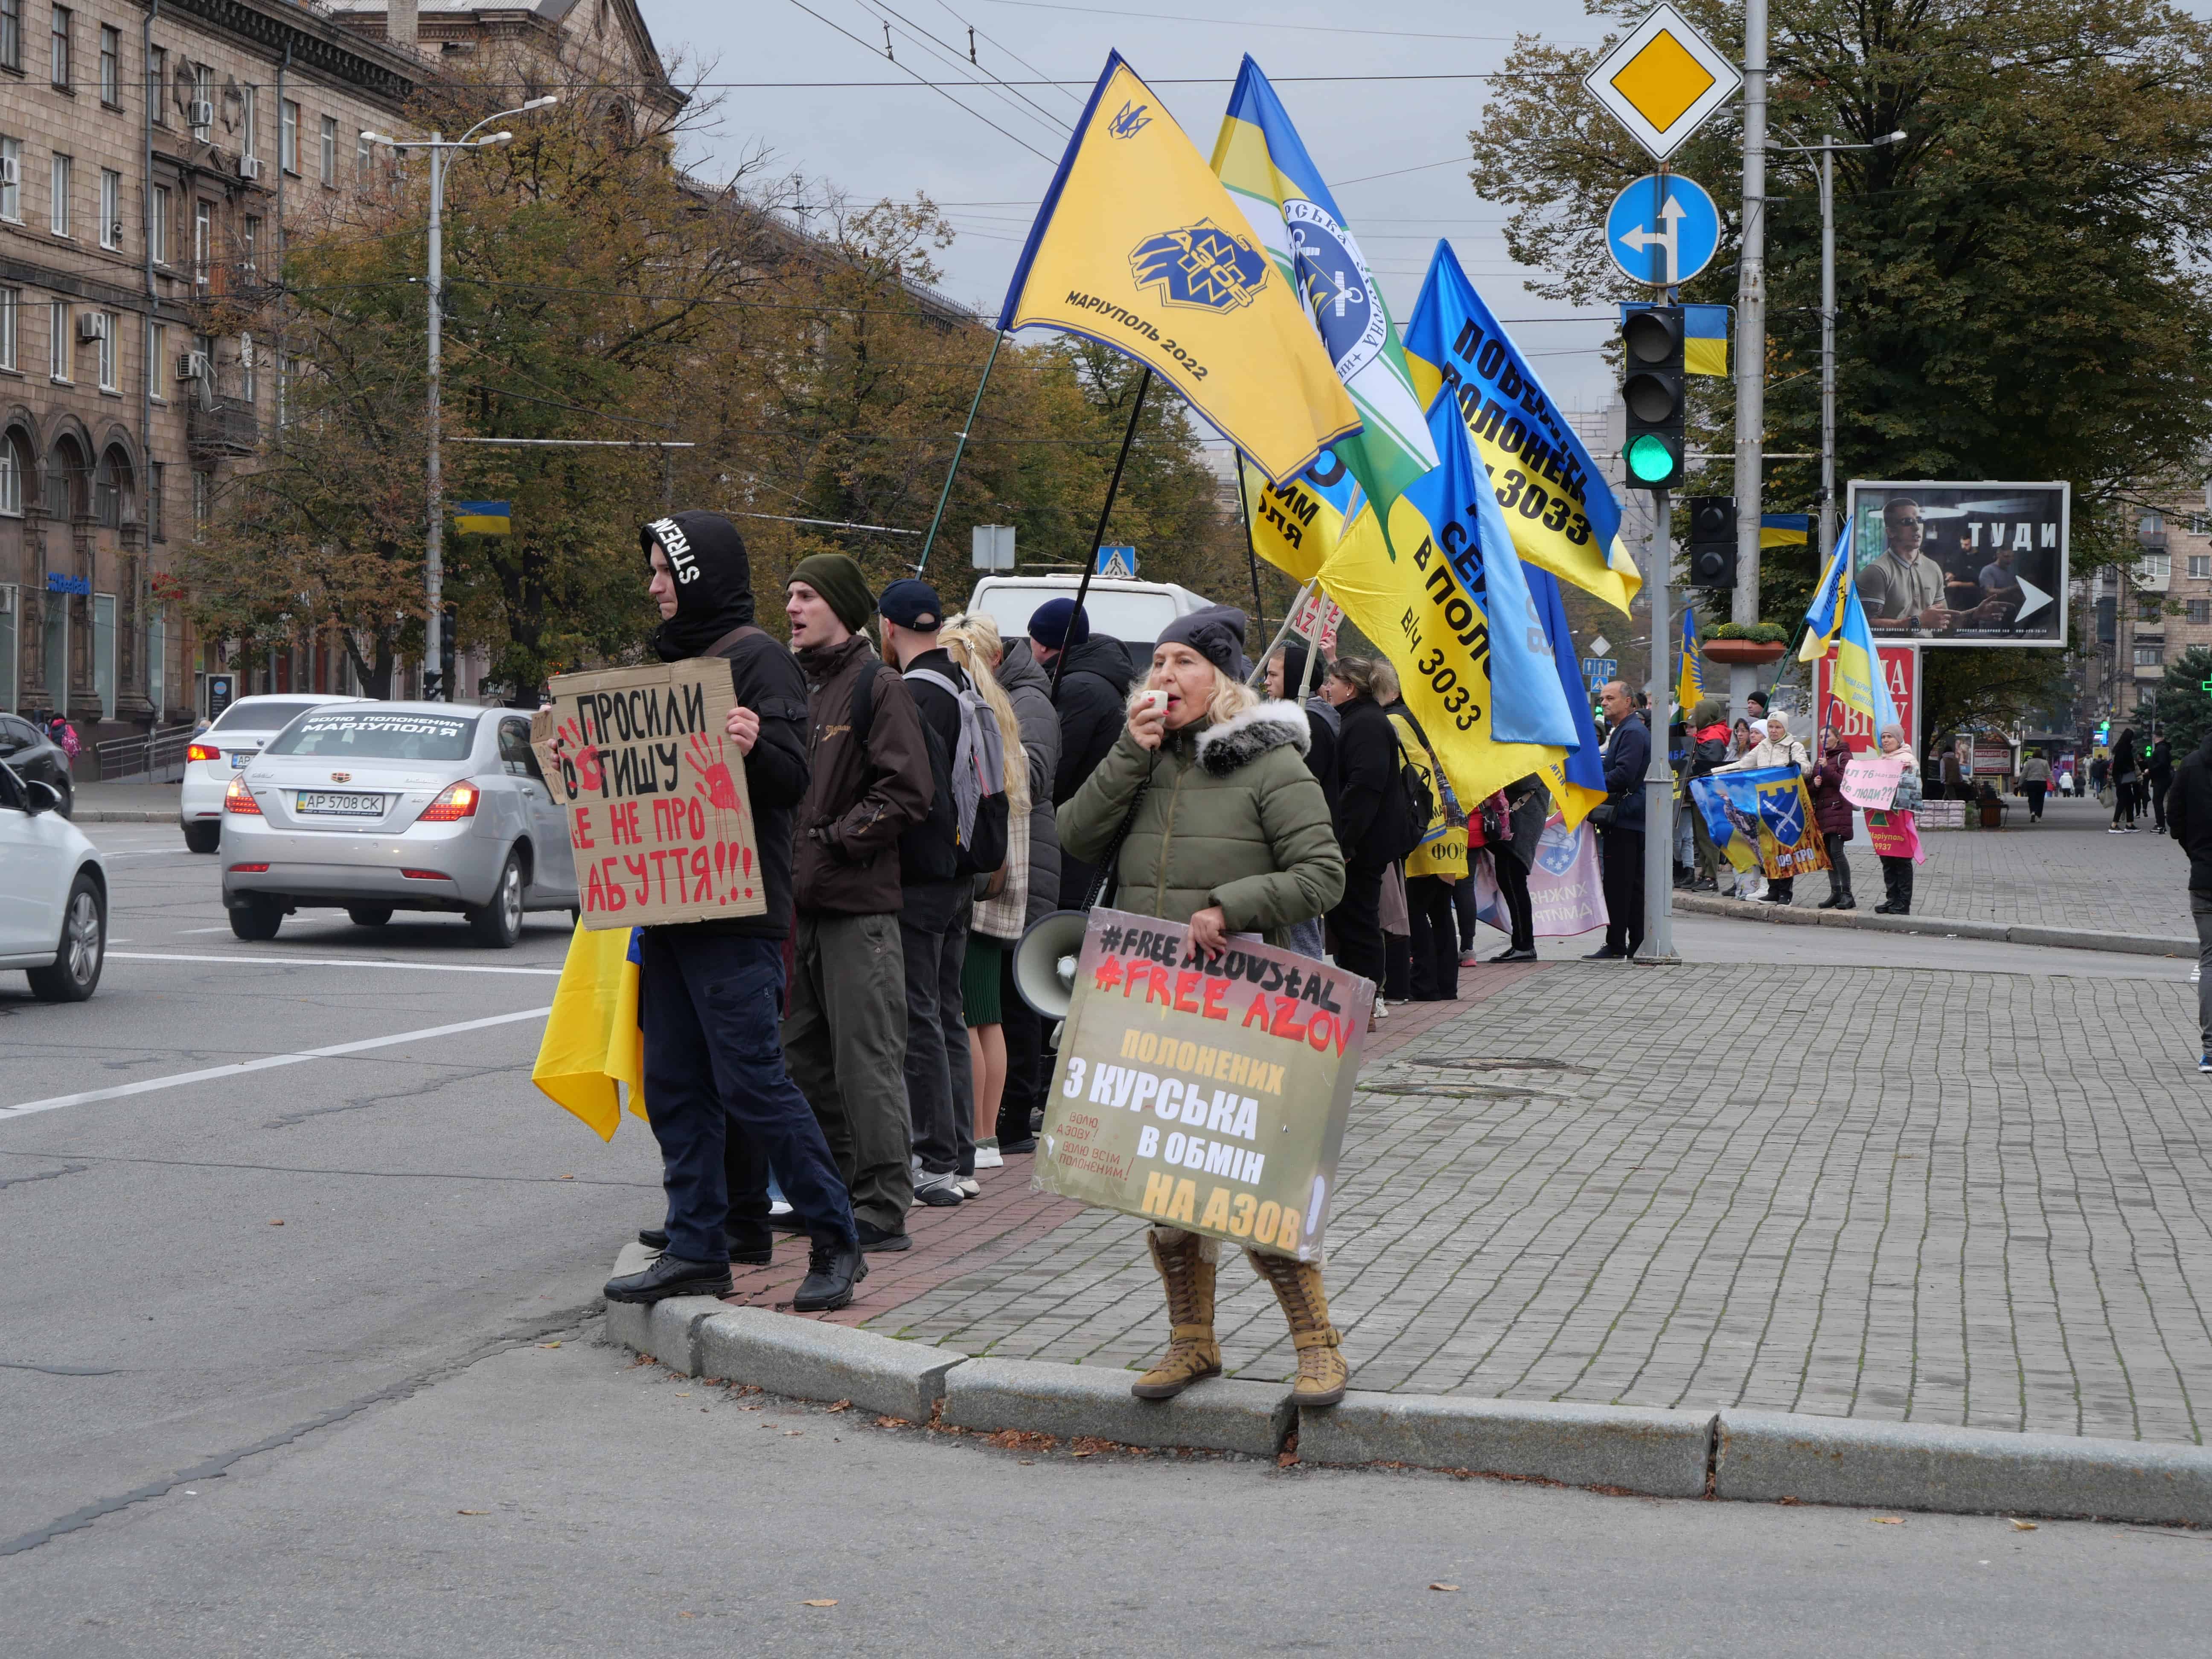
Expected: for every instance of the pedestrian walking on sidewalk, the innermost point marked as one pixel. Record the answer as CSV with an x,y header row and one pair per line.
x,y
2035,784
708,991
1833,813
2158,779
1226,830
1897,872
2125,771
2189,813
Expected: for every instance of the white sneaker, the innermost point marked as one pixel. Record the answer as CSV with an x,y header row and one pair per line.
x,y
987,1155
968,1186
2194,973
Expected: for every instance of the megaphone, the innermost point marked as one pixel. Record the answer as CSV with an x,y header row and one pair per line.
x,y
1044,961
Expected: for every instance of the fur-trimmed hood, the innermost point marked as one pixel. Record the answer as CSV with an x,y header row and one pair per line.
x,y
1225,746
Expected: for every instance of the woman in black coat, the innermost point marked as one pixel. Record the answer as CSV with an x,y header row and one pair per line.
x,y
1370,813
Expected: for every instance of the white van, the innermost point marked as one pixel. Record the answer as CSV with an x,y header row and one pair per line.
x,y
1131,612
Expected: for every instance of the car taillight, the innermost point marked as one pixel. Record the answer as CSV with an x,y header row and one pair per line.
x,y
455,800
426,875
250,869
238,798
203,751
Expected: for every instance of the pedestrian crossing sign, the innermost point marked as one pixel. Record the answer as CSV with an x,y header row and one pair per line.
x,y
1118,562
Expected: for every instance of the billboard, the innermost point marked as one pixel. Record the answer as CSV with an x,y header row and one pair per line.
x,y
1962,563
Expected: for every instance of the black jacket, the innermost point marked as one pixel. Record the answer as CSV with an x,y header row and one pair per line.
x,y
1094,690
1322,722
1627,757
1370,803
932,905
2189,815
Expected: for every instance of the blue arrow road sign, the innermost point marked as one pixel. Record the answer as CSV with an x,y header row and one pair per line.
x,y
1662,229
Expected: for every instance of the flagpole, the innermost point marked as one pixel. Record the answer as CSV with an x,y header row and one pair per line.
x,y
1260,668
1251,553
1098,537
959,448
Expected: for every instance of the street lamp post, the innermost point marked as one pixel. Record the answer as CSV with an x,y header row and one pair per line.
x,y
434,546
1826,149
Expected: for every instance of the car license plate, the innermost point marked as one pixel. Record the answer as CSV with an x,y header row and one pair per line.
x,y
353,806
239,757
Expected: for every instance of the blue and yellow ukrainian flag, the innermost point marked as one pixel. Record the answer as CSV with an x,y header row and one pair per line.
x,y
1451,609
1577,782
1857,680
485,518
1561,512
1137,246
1785,529
1264,165
1690,686
592,1040
1705,339
1824,616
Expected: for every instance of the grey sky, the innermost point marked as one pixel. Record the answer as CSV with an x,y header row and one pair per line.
x,y
897,137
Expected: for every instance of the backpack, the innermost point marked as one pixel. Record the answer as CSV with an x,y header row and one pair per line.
x,y
979,779
937,849
1419,799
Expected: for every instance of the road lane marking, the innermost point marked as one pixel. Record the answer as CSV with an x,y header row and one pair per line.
x,y
330,962
239,1068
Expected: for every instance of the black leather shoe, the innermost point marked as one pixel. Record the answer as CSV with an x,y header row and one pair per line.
x,y
832,1270
1515,956
1847,904
1016,1137
874,1238
654,1238
1828,904
753,1252
671,1275
1603,954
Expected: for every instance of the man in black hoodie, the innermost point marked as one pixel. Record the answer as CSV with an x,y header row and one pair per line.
x,y
722,1105
2189,817
1091,700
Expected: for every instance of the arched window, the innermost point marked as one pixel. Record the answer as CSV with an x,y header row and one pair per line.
x,y
67,491
114,500
15,467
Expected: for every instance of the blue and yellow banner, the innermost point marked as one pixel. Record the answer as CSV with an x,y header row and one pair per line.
x,y
1561,511
1761,819
592,1040
485,518
1264,165
1137,246
1837,621
1785,529
1450,609
1577,782
1704,340
1690,686
1824,616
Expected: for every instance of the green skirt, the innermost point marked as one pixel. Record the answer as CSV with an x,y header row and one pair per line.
x,y
979,980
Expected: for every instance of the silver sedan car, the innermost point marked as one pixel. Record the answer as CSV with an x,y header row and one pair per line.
x,y
374,807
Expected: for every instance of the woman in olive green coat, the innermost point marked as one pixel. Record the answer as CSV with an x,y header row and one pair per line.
x,y
1231,834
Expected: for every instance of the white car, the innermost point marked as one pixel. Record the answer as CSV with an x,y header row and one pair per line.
x,y
53,904
220,753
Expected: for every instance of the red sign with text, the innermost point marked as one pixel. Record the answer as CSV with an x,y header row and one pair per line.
x,y
1900,667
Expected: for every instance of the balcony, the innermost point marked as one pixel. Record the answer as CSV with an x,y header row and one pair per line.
x,y
229,426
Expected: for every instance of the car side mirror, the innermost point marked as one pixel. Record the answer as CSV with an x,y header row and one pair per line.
x,y
40,797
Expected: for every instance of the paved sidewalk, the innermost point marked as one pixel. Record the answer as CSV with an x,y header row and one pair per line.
x,y
1982,1200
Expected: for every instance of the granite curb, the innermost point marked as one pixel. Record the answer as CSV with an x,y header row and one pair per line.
x,y
1997,933
1746,1456
97,815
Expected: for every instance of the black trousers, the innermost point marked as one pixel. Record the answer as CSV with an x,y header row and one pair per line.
x,y
715,1077
2035,793
1435,937
1620,854
1358,920
1513,889
1897,882
2154,800
1839,867
1463,907
1025,1074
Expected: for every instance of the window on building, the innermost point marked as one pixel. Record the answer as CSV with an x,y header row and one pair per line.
x,y
57,214
64,20
2150,607
157,474
249,123
329,149
11,33
111,64
203,240
103,653
11,179
157,83
111,207
2200,611
12,468
11,305
249,377
157,359
160,226
250,249
2155,568
2200,564
109,373
58,347
203,99
2150,653
287,137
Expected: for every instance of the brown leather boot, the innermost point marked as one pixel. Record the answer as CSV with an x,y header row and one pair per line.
x,y
1187,1277
1322,1373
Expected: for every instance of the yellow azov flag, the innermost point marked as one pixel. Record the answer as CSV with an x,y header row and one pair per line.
x,y
1138,246
591,1041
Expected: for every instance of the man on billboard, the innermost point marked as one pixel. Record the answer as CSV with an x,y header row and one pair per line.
x,y
1979,563
1903,589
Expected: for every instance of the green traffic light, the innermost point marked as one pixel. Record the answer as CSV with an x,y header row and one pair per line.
x,y
1650,460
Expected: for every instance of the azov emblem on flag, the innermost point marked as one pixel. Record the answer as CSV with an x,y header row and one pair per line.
x,y
1201,266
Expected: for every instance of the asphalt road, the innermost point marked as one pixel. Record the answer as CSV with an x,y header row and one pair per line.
x,y
348,1434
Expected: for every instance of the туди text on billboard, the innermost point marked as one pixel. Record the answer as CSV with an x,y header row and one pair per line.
x,y
1962,563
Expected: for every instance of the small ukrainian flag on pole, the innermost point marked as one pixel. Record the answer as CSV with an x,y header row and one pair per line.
x,y
1785,529
485,518
1704,340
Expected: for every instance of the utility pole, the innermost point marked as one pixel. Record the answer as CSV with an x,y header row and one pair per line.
x,y
1750,343
1658,773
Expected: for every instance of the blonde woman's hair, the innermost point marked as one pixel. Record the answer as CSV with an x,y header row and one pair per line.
x,y
1360,673
1386,681
971,639
1231,696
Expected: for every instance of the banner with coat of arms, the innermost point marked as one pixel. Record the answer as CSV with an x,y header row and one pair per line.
x,y
1761,819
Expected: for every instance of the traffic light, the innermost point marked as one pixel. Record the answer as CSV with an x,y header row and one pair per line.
x,y
1712,541
1655,388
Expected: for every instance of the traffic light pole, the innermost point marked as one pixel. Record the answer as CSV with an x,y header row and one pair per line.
x,y
1658,774
1751,342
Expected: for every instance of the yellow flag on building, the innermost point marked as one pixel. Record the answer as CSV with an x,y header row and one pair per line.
x,y
1138,246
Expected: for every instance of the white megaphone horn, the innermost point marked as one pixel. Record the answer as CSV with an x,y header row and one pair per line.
x,y
1044,961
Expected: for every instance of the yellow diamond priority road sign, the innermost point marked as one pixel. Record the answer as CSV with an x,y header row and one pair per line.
x,y
1663,82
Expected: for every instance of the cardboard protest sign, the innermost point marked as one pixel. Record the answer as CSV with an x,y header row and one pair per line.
x,y
1208,1092
1871,781
653,791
